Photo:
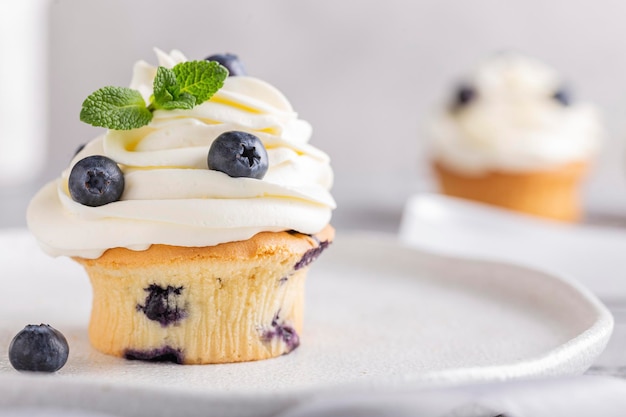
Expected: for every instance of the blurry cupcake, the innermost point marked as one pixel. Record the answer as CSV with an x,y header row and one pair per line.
x,y
513,137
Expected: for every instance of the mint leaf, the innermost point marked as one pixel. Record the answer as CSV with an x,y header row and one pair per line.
x,y
201,79
185,101
187,84
167,93
165,87
115,108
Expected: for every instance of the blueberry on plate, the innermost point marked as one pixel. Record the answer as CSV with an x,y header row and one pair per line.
x,y
238,154
96,180
230,61
38,348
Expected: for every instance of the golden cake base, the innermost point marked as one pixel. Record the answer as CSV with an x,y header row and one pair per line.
x,y
237,301
552,194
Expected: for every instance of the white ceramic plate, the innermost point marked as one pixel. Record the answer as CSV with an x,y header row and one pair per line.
x,y
457,227
379,316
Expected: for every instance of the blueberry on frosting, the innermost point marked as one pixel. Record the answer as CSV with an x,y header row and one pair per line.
x,y
95,181
238,154
464,95
563,96
230,61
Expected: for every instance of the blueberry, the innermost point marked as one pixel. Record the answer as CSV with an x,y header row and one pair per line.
x,y
79,148
282,331
563,96
96,180
311,255
164,354
238,154
38,348
230,61
161,304
464,95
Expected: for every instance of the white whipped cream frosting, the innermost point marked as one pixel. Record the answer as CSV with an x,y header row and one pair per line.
x,y
170,195
514,123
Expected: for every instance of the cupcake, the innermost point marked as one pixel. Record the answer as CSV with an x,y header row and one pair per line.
x,y
196,214
513,137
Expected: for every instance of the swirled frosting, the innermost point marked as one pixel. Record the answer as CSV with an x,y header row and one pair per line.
x,y
170,195
515,121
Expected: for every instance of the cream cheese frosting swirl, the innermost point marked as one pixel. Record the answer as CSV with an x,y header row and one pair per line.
x,y
170,195
514,123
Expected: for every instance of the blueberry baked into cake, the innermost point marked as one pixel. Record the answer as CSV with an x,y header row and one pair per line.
x,y
196,214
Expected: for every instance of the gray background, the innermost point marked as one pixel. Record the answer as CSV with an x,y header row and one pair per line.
x,y
367,75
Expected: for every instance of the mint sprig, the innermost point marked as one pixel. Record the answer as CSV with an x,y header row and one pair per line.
x,y
201,79
167,93
115,107
182,87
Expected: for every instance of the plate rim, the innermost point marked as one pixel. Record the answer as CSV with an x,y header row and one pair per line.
x,y
603,323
